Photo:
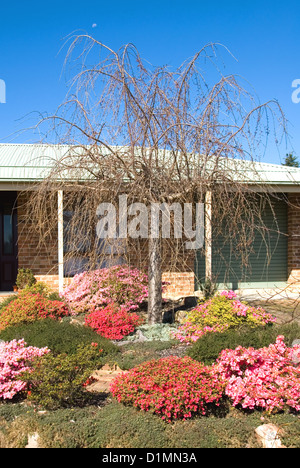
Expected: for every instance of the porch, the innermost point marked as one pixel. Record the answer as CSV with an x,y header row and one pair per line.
x,y
23,166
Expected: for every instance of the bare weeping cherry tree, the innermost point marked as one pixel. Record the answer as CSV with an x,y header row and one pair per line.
x,y
159,137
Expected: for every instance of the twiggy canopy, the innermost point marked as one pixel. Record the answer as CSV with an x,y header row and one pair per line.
x,y
159,136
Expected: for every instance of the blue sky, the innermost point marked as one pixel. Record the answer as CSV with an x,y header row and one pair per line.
x,y
262,35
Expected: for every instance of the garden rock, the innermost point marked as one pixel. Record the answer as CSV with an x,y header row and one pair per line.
x,y
33,441
136,337
268,436
139,336
103,378
181,315
296,353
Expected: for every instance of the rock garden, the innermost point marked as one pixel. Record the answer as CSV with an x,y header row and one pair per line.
x,y
86,370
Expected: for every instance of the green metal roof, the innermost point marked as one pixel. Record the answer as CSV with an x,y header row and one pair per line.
x,y
29,163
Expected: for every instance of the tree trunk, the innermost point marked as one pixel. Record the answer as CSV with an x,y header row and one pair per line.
x,y
155,282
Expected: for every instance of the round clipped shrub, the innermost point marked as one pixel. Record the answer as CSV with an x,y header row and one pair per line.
x,y
113,322
25,278
96,289
173,388
30,307
59,380
60,337
222,312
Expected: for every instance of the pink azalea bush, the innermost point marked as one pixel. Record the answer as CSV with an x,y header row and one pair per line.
x,y
218,314
96,289
229,294
263,378
15,359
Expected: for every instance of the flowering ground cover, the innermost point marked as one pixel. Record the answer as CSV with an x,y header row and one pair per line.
x,y
179,388
174,390
265,378
169,388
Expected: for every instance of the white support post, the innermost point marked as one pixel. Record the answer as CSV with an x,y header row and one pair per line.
x,y
208,236
60,221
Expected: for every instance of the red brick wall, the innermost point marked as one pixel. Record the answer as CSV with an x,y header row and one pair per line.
x,y
294,239
41,259
181,284
178,270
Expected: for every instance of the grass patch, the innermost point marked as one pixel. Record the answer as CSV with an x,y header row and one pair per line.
x,y
117,426
133,354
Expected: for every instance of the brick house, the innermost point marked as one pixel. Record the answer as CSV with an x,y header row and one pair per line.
x,y
22,166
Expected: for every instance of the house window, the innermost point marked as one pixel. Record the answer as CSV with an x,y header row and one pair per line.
x,y
8,246
83,249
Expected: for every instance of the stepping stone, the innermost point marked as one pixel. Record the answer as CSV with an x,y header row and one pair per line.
x,y
268,435
103,378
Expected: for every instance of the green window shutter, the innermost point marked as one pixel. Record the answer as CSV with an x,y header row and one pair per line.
x,y
267,262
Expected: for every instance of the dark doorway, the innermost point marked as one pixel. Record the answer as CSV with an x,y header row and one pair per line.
x,y
8,241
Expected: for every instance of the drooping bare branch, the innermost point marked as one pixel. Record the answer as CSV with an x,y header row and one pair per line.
x,y
158,136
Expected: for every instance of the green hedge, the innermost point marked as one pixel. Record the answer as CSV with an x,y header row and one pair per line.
x,y
60,337
207,348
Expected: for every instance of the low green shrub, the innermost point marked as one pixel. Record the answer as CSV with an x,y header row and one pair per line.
x,y
25,277
134,353
207,348
59,337
55,296
58,381
208,288
112,425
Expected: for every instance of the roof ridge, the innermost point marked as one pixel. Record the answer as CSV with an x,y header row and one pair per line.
x,y
34,144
